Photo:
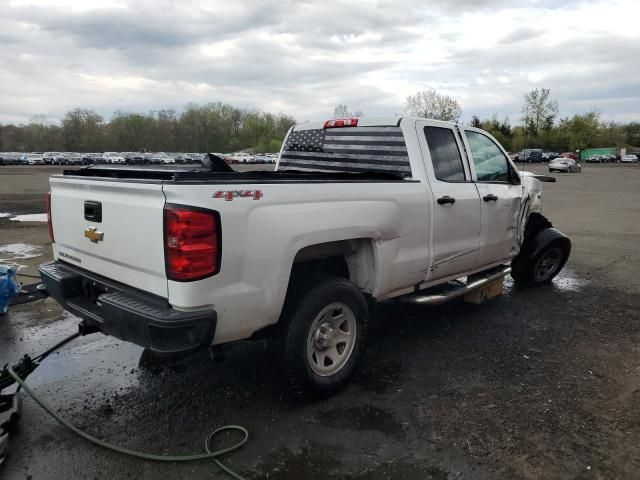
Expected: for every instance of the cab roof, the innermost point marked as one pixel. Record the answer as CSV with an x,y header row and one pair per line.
x,y
367,122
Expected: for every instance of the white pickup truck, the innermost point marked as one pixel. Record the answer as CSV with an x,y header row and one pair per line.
x,y
358,211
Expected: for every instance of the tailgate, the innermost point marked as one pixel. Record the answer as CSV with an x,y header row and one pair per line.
x,y
127,245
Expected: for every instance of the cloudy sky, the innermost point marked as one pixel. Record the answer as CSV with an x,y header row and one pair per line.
x,y
304,57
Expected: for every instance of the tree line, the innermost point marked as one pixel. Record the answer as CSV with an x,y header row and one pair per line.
x,y
214,127
220,127
541,127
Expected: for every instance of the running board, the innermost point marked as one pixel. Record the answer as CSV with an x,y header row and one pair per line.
x,y
456,288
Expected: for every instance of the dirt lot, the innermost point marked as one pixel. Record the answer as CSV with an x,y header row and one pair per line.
x,y
541,383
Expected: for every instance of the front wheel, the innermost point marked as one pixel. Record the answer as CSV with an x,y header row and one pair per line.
x,y
542,268
323,336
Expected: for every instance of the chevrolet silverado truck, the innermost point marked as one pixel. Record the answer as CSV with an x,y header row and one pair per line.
x,y
357,211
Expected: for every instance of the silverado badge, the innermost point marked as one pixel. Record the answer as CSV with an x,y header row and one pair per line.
x,y
93,234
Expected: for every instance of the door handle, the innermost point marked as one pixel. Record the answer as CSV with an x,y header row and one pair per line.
x,y
490,198
446,199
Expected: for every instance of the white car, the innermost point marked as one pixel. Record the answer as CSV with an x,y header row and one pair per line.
x,y
113,157
243,157
629,158
33,159
358,211
567,165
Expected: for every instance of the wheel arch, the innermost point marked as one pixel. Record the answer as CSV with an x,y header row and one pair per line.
x,y
353,259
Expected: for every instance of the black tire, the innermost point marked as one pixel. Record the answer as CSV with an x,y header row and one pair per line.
x,y
541,269
297,349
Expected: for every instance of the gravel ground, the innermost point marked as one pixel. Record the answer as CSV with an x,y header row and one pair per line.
x,y
538,383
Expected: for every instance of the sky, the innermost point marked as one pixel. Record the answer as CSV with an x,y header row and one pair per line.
x,y
304,57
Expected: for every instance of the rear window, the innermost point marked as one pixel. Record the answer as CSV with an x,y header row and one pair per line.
x,y
445,155
352,149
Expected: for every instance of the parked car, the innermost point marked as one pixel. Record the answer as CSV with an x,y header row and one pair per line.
x,y
49,156
567,165
596,159
303,253
629,158
59,159
12,158
92,158
134,158
113,157
262,158
531,155
229,159
181,157
195,157
161,158
243,157
72,158
33,159
570,155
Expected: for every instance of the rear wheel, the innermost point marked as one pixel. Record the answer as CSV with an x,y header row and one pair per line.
x,y
323,336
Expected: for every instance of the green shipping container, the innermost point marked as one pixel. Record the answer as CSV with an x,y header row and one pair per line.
x,y
586,153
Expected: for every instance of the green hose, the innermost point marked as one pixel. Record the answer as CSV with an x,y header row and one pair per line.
x,y
149,456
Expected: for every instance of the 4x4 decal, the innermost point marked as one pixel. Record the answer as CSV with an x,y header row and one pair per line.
x,y
229,195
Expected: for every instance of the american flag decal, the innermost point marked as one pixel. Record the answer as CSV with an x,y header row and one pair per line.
x,y
352,149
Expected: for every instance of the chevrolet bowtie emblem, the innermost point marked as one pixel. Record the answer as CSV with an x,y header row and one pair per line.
x,y
93,234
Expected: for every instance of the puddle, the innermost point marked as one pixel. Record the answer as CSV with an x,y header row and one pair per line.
x,y
365,417
83,360
31,217
566,281
20,251
103,356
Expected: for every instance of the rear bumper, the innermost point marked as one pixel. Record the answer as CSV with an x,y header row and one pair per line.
x,y
127,313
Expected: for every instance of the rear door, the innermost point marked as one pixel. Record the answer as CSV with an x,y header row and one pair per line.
x,y
500,191
111,228
456,219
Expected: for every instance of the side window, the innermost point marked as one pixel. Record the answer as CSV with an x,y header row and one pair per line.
x,y
445,154
491,164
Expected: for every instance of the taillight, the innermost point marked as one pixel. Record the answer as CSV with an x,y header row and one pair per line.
x,y
191,243
49,221
341,122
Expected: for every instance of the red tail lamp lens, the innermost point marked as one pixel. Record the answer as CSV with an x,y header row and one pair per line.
x,y
192,243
